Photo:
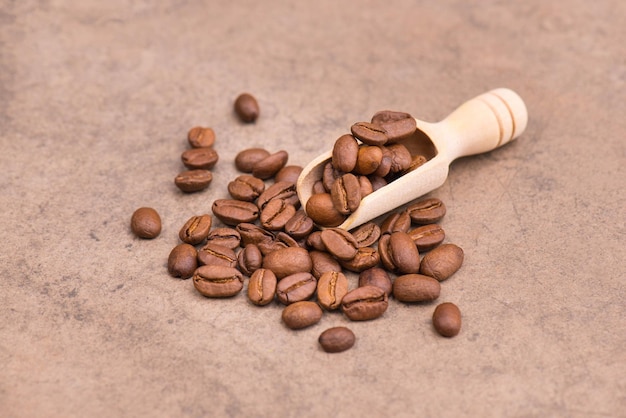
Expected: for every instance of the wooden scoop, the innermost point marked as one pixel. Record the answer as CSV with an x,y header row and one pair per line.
x,y
479,125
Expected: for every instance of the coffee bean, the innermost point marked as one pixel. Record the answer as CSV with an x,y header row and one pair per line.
x,y
442,262
253,234
318,187
301,314
323,262
246,159
320,208
217,281
386,116
396,221
296,287
366,186
246,187
276,213
427,237
233,212
340,243
279,190
182,261
385,163
249,259
193,180
286,261
195,229
368,159
367,234
415,288
300,225
416,162
365,303
145,223
447,319
288,173
200,158
270,165
216,255
376,276
288,240
365,258
369,133
344,154
346,194
226,237
262,287
332,286
400,158
314,241
399,253
247,108
398,130
377,182
427,211
200,137
336,339
329,175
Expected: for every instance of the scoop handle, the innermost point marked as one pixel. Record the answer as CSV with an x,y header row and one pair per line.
x,y
484,123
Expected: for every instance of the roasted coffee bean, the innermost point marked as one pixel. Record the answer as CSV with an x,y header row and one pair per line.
x,y
193,180
376,276
182,261
377,182
276,213
416,162
396,221
286,261
442,262
427,237
336,339
340,243
427,211
279,190
249,259
386,116
233,212
329,175
247,108
199,158
246,159
262,287
415,288
269,247
365,258
318,187
145,223
270,165
399,253
400,158
369,133
196,229
253,234
332,286
344,153
346,194
288,173
217,281
366,186
213,254
315,242
200,137
365,303
300,225
385,163
368,159
320,208
400,129
301,314
323,262
288,240
296,287
246,187
367,234
226,237
447,319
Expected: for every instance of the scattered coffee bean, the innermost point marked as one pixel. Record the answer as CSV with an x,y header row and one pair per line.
x,y
288,173
200,137
376,276
270,165
336,339
427,237
217,281
250,259
196,229
247,108
386,116
246,187
262,287
442,262
323,262
427,211
234,212
296,287
226,237
396,222
415,288
182,261
246,159
301,314
276,213
365,303
332,286
367,234
216,255
200,158
365,258
447,319
299,225
287,261
145,223
193,180
340,243
279,190
399,253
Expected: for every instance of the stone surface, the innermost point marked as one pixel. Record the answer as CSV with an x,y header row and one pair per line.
x,y
96,99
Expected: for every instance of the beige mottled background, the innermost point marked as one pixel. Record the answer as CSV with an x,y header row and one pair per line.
x,y
95,100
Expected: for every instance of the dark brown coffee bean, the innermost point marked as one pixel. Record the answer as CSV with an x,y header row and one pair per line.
x,y
253,234
182,261
344,154
288,173
336,339
365,303
276,213
246,159
365,258
346,194
386,116
366,186
145,223
193,180
400,158
376,276
217,281
416,162
398,130
396,221
216,255
296,287
427,211
399,253
427,237
314,241
369,133
199,158
279,190
286,261
329,175
320,208
246,187
340,243
442,262
247,108
415,288
332,286
196,229
385,163
447,319
318,187
377,182
249,259
262,287
368,159
300,225
301,314
200,137
323,262
270,165
233,212
367,234
226,237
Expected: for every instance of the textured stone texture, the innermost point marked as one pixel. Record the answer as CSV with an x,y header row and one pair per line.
x,y
95,102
